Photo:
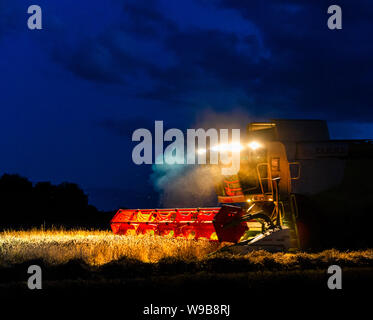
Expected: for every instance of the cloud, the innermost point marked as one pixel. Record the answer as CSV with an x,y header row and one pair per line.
x,y
144,19
311,68
125,127
91,61
208,60
276,57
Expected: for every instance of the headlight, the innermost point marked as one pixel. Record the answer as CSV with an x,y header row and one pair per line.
x,y
254,145
233,147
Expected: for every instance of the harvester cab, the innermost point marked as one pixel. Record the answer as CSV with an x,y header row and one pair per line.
x,y
263,190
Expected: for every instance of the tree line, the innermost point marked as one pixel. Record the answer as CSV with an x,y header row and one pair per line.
x,y
24,205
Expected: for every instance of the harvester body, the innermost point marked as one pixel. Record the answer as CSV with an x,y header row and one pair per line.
x,y
284,160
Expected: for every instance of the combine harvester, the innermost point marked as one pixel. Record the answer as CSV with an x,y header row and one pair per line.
x,y
281,161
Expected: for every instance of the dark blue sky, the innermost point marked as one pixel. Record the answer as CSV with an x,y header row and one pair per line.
x,y
72,93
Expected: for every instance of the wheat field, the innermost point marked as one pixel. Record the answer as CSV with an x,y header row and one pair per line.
x,y
97,248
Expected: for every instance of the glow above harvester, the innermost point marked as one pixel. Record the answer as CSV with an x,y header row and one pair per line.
x,y
231,147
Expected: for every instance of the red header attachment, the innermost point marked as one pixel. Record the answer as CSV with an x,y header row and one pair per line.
x,y
212,224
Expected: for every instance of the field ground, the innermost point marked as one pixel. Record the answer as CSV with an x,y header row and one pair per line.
x,y
134,271
102,248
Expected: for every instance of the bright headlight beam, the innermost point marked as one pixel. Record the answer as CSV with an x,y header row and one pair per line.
x,y
254,145
233,147
236,147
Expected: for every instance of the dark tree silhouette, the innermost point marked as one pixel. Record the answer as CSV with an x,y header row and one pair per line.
x,y
24,205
